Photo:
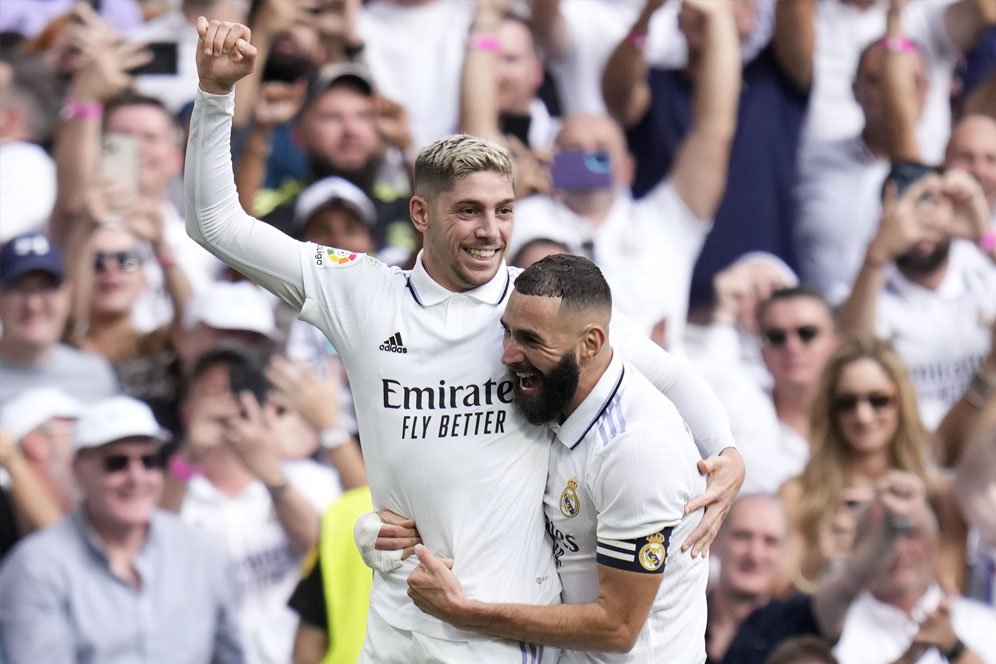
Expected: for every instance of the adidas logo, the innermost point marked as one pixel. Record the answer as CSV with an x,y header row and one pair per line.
x,y
394,344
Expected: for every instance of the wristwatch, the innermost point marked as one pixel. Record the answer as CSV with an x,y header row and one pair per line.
x,y
332,438
957,650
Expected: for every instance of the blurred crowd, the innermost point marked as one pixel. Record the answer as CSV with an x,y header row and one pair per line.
x,y
797,197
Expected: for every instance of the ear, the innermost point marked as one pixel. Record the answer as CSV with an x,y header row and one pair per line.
x,y
418,208
592,342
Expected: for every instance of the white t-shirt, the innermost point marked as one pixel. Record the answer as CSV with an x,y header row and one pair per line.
x,y
416,56
622,469
269,566
838,198
842,32
646,250
27,188
942,335
441,439
877,633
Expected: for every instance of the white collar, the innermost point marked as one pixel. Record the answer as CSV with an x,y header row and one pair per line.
x,y
584,417
428,292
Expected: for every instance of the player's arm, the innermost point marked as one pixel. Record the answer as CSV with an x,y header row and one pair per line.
x,y
214,217
609,624
705,416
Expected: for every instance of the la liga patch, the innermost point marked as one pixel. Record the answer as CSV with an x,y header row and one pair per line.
x,y
332,257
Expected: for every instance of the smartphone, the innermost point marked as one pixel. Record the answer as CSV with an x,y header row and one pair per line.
x,y
164,60
906,173
577,170
245,377
517,125
119,159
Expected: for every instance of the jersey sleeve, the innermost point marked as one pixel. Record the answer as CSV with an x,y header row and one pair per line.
x,y
639,489
697,404
216,220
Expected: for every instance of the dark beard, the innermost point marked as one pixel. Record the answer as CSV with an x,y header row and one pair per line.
x,y
917,264
363,177
557,388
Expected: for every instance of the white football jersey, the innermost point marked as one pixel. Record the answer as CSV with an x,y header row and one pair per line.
x,y
622,468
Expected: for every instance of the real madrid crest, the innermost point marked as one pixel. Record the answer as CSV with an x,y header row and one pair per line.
x,y
653,554
570,504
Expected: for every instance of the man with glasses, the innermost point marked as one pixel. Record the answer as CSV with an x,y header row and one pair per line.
x,y
34,306
798,336
118,580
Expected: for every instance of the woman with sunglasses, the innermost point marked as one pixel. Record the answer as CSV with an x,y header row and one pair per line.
x,y
864,423
110,279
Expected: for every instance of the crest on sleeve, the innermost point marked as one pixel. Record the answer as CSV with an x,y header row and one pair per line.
x,y
653,554
570,503
332,257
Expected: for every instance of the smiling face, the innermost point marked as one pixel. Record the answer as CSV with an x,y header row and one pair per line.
x,y
866,407
540,348
751,545
118,279
119,498
466,229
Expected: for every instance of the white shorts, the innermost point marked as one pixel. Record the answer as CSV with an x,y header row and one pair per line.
x,y
388,645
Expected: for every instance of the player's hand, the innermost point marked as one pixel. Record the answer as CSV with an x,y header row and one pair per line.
x,y
724,477
436,589
397,532
224,54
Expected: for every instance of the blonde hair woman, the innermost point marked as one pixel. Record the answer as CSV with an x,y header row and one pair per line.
x,y
864,423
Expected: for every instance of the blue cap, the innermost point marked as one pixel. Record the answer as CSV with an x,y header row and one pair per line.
x,y
30,252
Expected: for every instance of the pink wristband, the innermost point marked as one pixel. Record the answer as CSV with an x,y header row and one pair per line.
x,y
636,40
900,45
183,471
987,242
486,43
77,110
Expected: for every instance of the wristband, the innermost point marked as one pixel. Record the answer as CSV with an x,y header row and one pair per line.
x,y
957,650
486,43
78,110
987,242
899,45
182,470
636,40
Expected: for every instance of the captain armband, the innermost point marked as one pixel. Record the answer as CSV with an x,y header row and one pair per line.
x,y
647,555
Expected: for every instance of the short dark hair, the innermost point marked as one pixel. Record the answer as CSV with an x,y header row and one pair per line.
x,y
574,279
802,649
131,98
230,354
796,292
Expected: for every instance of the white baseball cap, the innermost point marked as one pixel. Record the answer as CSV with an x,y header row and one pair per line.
x,y
34,407
333,190
112,419
227,305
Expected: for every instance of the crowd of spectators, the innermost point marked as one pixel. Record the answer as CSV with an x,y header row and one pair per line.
x,y
797,197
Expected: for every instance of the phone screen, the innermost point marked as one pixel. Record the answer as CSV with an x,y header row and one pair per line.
x,y
906,173
164,59
576,170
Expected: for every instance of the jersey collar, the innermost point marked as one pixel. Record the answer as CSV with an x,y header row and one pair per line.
x,y
427,292
587,414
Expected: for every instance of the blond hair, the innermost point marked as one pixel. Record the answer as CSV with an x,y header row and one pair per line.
x,y
825,476
444,161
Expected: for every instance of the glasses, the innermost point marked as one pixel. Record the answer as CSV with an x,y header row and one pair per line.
x,y
128,261
777,336
848,403
115,463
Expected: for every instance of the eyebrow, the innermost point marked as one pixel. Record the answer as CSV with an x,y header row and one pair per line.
x,y
474,201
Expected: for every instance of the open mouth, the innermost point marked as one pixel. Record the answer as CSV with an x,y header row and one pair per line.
x,y
528,382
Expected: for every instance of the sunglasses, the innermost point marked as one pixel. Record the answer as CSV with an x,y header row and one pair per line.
x,y
776,336
128,261
115,463
848,403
